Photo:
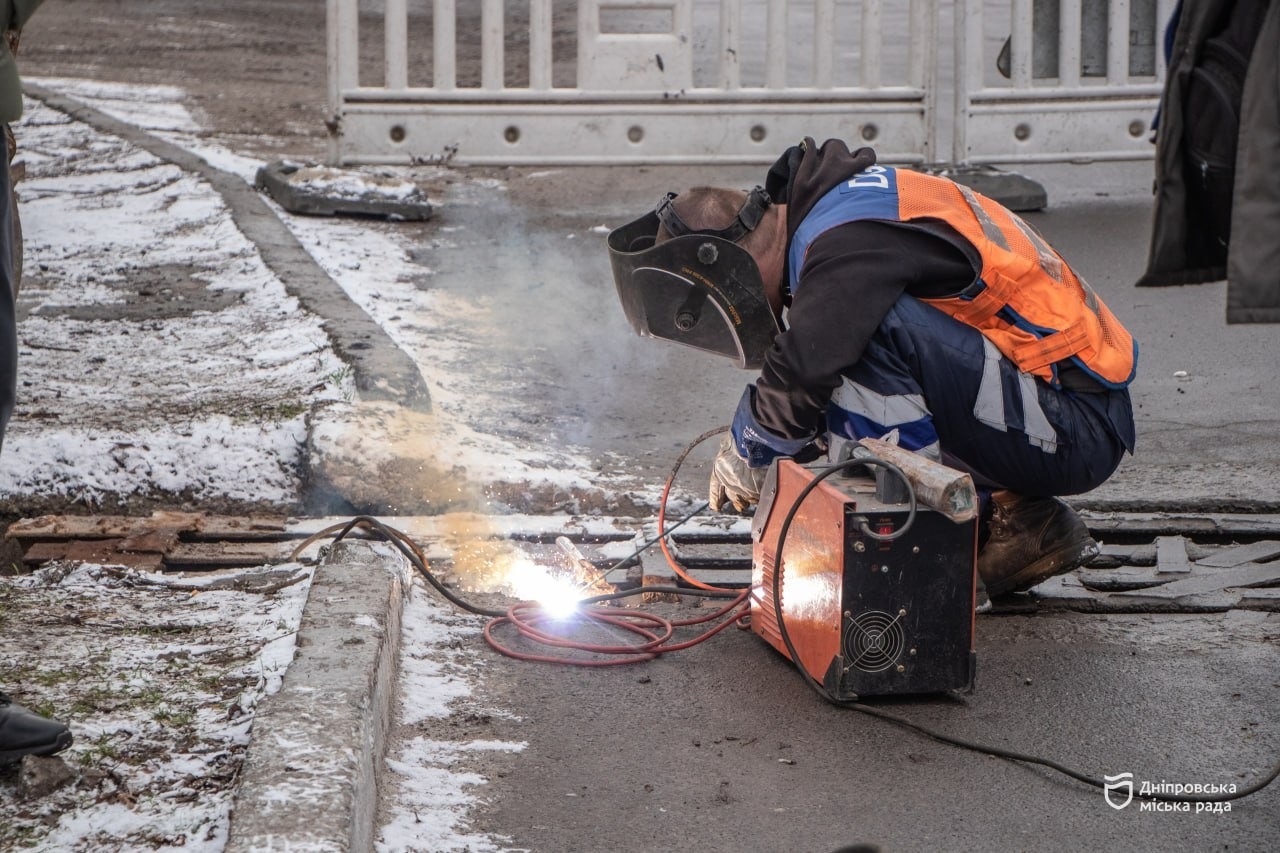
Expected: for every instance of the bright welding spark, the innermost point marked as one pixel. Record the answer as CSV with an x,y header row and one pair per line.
x,y
558,595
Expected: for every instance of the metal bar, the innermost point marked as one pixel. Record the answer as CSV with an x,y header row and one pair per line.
x,y
776,45
752,95
968,35
1118,42
1069,13
1125,156
539,45
492,58
922,71
1020,44
344,44
444,23
614,159
824,26
1086,96
1164,11
730,44
340,66
919,41
395,31
870,43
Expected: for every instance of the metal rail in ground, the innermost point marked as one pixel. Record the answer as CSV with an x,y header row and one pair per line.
x,y
1150,562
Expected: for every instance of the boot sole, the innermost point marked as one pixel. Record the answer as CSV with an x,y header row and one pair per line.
x,y
63,741
1056,563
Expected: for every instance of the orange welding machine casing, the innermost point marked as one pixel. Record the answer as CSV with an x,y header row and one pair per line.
x,y
866,617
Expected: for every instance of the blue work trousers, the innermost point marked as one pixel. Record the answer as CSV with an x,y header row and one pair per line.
x,y
951,394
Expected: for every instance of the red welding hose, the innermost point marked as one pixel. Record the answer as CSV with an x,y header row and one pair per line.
x,y
662,514
528,617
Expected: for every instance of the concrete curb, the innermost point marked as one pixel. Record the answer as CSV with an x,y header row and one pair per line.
x,y
310,779
382,370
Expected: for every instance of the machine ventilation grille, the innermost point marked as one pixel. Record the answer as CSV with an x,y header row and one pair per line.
x,y
874,640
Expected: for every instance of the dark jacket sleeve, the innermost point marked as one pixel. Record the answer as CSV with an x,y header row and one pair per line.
x,y
845,289
851,278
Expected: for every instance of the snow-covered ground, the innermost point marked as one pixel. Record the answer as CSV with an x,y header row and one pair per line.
x,y
126,391
158,677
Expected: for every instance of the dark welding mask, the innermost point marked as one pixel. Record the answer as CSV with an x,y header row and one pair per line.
x,y
699,288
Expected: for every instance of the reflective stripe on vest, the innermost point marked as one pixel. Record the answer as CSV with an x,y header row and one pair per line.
x,y
1025,299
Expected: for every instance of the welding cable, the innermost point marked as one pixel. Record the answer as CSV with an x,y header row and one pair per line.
x,y
649,543
662,514
1013,755
528,618
974,746
408,548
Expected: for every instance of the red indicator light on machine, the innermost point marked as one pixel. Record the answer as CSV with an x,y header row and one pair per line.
x,y
885,529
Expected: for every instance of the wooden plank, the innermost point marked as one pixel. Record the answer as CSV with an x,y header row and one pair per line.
x,y
50,527
225,555
258,528
1171,555
42,552
150,542
654,567
107,552
1129,555
1254,552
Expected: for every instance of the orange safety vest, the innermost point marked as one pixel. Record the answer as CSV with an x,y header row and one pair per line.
x,y
1024,299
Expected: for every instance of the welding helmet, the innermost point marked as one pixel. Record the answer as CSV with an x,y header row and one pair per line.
x,y
698,288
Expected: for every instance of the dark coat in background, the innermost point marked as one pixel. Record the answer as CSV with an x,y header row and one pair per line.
x,y
1180,251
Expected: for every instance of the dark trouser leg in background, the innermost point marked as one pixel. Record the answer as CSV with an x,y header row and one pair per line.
x,y
21,732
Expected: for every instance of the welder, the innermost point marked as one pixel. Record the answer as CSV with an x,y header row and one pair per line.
x,y
878,301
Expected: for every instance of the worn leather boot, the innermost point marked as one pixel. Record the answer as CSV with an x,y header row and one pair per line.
x,y
24,733
1032,539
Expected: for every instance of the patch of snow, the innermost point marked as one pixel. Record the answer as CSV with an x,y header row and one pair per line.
x,y
147,107
341,183
206,458
427,797
166,682
119,393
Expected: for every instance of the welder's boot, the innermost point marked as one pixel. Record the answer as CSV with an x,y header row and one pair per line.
x,y
24,733
1031,539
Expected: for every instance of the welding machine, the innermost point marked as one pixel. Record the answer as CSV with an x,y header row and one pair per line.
x,y
867,597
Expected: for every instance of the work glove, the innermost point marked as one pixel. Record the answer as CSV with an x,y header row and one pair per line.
x,y
733,480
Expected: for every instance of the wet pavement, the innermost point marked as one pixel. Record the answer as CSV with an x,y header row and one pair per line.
x,y
724,748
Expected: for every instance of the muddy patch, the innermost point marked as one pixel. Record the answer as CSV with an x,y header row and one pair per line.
x,y
148,293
